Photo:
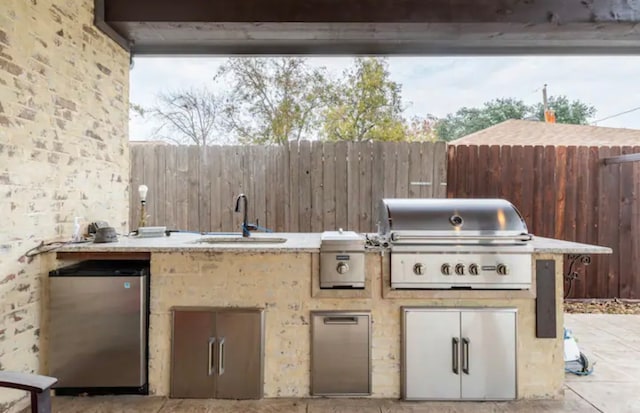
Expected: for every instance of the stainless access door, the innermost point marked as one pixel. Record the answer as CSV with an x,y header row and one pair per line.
x,y
431,356
193,351
98,331
340,353
239,355
488,353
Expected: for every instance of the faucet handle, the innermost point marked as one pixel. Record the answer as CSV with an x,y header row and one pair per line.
x,y
253,227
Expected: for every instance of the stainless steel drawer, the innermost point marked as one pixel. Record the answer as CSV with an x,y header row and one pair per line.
x,y
340,353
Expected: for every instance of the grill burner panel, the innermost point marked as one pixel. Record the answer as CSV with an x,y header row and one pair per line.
x,y
456,243
491,270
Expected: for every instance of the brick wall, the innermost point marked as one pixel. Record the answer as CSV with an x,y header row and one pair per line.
x,y
63,153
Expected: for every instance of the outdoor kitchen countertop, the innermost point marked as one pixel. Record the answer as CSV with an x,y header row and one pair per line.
x,y
295,242
556,246
188,242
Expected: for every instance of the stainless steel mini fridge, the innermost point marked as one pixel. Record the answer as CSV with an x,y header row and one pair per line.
x,y
340,353
98,328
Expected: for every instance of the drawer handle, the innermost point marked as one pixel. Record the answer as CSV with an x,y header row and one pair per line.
x,y
211,368
341,320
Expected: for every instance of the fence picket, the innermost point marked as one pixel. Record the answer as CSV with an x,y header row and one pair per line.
x,y
341,184
402,170
627,268
353,185
437,153
182,188
329,186
304,188
294,183
593,220
171,175
365,188
213,155
317,207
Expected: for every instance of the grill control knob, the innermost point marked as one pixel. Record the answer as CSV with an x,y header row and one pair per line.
x,y
459,269
342,267
445,269
502,269
418,269
473,269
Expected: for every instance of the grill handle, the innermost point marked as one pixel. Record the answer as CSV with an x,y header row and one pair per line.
x,y
395,237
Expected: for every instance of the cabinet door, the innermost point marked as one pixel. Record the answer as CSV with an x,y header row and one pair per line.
x,y
239,354
192,356
340,353
488,354
431,354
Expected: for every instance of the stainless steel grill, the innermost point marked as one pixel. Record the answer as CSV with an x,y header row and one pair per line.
x,y
456,243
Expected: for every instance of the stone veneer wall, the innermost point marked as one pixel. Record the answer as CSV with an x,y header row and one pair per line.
x,y
63,153
281,283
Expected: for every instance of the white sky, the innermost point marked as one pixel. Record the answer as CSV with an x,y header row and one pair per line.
x,y
439,85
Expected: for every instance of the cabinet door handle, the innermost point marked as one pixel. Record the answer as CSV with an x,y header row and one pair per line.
x,y
341,320
455,365
221,357
465,355
211,368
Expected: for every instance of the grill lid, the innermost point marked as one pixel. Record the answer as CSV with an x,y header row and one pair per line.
x,y
483,220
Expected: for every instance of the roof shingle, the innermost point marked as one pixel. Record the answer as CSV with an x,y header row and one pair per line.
x,y
525,132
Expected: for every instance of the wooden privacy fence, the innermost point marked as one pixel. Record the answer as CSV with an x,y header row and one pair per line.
x,y
301,187
566,193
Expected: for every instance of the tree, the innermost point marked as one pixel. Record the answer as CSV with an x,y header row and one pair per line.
x,y
365,105
187,116
468,120
422,129
574,112
272,100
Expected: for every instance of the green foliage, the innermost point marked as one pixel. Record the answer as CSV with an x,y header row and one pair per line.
x,y
272,100
365,105
574,112
468,120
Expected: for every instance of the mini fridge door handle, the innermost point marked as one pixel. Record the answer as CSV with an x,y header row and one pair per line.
x,y
221,355
211,368
465,355
455,351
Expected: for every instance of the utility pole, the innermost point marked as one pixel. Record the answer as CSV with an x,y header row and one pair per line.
x,y
549,115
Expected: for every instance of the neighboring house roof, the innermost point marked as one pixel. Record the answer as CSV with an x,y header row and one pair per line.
x,y
525,132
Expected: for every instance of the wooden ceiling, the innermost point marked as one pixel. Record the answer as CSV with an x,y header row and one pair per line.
x,y
394,27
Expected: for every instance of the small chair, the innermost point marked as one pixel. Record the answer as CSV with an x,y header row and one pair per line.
x,y
35,384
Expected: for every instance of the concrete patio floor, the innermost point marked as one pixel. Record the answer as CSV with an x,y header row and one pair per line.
x,y
611,341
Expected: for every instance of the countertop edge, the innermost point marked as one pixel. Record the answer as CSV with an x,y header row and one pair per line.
x,y
298,243
542,245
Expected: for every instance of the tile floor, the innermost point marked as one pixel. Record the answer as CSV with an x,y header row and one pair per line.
x,y
611,341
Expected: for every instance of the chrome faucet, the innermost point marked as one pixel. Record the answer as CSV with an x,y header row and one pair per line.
x,y
245,224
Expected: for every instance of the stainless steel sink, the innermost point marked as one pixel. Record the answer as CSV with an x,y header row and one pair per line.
x,y
242,240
